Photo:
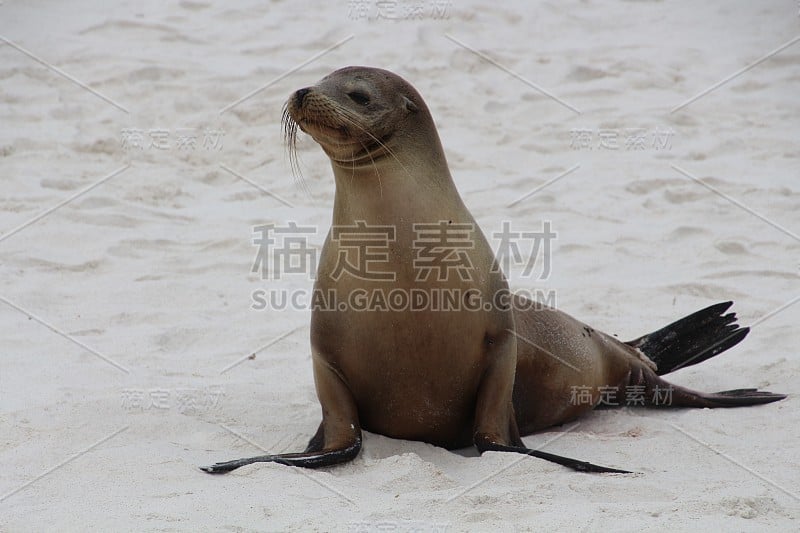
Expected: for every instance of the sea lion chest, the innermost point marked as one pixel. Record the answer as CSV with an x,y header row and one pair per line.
x,y
407,329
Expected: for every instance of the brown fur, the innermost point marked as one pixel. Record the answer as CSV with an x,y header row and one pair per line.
x,y
451,378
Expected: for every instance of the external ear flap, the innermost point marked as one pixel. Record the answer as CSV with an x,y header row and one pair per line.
x,y
411,106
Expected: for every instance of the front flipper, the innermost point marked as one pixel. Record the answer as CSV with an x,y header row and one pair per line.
x,y
486,444
338,438
495,424
307,459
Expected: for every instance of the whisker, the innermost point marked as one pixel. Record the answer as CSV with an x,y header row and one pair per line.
x,y
289,127
351,119
377,172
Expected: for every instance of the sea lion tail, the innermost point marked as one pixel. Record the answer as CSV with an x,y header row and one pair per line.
x,y
692,339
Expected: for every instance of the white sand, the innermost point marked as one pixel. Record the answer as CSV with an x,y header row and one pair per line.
x,y
151,268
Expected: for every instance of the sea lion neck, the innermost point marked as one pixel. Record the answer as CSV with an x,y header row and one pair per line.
x,y
403,186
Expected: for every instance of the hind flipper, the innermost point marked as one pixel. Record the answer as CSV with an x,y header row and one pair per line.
x,y
692,339
741,397
658,392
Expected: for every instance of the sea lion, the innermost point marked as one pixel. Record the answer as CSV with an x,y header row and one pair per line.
x,y
470,374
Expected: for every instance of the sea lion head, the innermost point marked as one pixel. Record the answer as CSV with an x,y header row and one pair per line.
x,y
358,115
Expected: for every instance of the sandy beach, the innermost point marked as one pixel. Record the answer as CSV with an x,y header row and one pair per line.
x,y
141,145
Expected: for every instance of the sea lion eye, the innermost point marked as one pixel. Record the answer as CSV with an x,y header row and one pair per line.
x,y
359,97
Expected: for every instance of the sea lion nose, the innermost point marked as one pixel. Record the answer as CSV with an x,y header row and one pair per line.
x,y
301,94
